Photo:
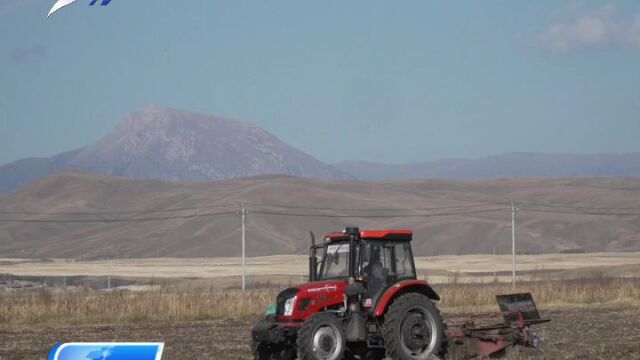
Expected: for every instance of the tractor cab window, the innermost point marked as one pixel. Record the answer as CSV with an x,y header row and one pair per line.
x,y
336,261
403,260
376,265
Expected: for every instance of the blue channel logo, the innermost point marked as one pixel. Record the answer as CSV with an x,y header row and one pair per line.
x,y
62,3
107,351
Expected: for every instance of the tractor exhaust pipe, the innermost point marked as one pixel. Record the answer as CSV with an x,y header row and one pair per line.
x,y
353,233
313,260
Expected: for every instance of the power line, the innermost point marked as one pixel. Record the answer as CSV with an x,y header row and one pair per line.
x,y
118,220
474,205
115,212
575,207
377,215
595,213
227,205
146,211
272,209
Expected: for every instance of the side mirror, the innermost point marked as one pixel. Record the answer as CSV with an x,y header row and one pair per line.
x,y
354,289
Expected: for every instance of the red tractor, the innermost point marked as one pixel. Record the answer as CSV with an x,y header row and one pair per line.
x,y
363,301
362,298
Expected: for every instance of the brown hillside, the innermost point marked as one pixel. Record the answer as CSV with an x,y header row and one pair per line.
x,y
78,215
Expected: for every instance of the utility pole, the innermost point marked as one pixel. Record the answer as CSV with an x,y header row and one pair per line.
x,y
513,244
244,274
495,270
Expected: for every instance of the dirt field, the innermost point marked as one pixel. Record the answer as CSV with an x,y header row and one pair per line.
x,y
596,333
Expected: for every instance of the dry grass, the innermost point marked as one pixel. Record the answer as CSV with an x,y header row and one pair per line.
x,y
173,304
96,307
597,291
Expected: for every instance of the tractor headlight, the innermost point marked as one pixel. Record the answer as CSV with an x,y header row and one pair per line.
x,y
288,306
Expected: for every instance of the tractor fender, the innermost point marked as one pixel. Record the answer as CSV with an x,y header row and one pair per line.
x,y
402,287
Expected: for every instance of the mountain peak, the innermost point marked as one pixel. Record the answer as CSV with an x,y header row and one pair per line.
x,y
163,143
156,114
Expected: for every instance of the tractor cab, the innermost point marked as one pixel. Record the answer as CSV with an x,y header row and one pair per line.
x,y
377,259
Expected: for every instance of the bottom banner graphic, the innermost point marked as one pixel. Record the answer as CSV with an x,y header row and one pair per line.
x,y
107,351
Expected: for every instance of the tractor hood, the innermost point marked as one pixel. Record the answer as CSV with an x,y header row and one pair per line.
x,y
321,287
310,298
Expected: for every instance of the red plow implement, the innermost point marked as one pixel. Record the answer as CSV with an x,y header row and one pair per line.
x,y
487,335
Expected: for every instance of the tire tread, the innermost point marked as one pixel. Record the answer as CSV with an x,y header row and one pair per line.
x,y
303,341
393,316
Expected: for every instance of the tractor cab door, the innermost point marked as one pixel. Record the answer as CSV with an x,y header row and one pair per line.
x,y
377,269
384,264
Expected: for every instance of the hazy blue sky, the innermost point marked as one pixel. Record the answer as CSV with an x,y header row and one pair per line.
x,y
391,81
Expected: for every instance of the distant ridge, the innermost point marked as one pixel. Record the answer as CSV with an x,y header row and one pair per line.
x,y
160,143
166,144
512,165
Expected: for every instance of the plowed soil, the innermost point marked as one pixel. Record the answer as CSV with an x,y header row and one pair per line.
x,y
597,333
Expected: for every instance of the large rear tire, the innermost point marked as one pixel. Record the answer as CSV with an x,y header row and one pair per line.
x,y
413,328
321,337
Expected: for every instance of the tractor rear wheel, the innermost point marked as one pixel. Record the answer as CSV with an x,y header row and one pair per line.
x,y
267,351
413,328
321,337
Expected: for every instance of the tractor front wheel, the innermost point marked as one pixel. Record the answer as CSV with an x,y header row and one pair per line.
x,y
413,328
321,337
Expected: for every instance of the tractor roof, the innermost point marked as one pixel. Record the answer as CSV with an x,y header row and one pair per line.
x,y
391,235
